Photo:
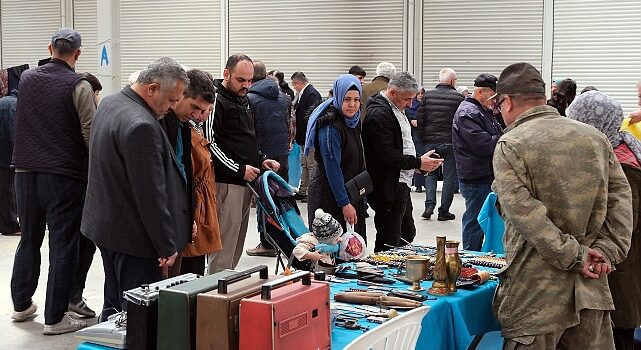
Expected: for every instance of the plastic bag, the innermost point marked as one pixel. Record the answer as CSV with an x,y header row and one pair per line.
x,y
352,245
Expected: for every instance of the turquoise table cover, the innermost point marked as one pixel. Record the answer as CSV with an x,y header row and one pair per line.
x,y
451,323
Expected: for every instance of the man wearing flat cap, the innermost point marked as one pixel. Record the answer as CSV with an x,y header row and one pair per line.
x,y
475,132
54,115
567,208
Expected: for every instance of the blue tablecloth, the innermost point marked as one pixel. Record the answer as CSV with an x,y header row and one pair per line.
x,y
451,323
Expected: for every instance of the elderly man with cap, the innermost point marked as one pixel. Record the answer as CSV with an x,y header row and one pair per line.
x,y
475,132
567,208
54,115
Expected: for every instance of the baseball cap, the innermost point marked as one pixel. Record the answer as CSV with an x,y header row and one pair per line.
x,y
519,78
69,35
486,80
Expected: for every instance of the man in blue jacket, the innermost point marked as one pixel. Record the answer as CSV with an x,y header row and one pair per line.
x,y
272,110
475,132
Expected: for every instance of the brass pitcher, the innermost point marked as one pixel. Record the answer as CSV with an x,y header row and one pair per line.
x,y
454,263
416,270
440,284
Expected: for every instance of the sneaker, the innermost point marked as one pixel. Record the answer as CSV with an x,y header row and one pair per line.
x,y
300,197
261,251
427,214
68,324
81,308
445,216
21,316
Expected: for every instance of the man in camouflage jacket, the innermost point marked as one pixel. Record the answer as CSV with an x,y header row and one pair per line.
x,y
567,207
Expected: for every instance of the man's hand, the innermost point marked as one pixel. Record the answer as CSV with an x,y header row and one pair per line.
x,y
635,117
271,164
595,265
430,164
194,230
166,262
251,173
414,123
349,214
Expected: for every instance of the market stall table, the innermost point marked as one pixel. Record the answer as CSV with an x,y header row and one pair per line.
x,y
451,324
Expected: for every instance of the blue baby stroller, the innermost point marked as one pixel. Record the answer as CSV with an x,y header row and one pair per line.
x,y
279,217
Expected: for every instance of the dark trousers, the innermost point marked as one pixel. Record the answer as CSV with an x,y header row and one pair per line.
x,y
8,209
193,264
623,338
446,151
408,229
474,195
389,218
284,173
124,272
57,201
86,251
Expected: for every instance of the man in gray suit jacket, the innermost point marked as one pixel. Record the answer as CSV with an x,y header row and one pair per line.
x,y
136,209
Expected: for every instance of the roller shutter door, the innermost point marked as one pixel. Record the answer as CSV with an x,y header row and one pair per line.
x,y
188,31
84,21
321,38
480,37
598,43
27,27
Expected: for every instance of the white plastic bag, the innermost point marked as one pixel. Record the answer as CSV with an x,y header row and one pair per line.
x,y
352,245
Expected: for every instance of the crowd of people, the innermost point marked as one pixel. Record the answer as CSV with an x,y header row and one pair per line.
x,y
155,176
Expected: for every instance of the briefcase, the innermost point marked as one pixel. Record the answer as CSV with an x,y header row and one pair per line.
x,y
217,316
142,311
287,316
177,311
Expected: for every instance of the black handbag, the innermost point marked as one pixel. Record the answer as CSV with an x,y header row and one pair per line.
x,y
359,187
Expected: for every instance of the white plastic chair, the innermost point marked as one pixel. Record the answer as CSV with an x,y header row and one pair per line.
x,y
399,333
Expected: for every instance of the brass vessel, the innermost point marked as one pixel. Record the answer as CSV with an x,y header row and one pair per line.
x,y
440,284
416,269
453,262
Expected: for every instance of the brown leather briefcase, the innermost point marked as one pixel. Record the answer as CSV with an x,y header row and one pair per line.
x,y
217,315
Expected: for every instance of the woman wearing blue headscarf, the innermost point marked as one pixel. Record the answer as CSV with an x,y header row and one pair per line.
x,y
334,131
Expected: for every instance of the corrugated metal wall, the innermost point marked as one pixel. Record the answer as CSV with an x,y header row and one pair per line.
x,y
480,37
599,43
84,21
321,38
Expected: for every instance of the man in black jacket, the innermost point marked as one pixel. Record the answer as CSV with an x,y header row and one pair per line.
x,y
136,210
391,158
8,211
237,159
272,110
475,133
307,98
435,125
53,122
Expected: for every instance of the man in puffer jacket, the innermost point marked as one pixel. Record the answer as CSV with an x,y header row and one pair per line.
x,y
435,125
271,121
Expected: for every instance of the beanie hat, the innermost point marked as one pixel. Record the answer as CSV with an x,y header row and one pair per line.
x,y
325,227
385,69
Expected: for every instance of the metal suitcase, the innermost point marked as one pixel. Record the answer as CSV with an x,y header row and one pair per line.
x,y
142,311
217,316
177,311
287,316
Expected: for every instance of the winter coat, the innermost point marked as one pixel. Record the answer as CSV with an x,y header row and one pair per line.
x,y
271,110
436,113
377,85
475,133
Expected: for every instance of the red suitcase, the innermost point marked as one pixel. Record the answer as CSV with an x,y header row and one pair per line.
x,y
287,316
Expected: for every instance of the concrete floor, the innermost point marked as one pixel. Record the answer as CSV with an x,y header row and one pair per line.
x,y
28,335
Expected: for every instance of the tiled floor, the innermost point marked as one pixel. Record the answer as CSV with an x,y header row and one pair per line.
x,y
28,335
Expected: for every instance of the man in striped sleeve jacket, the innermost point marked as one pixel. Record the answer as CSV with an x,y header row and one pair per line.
x,y
236,157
